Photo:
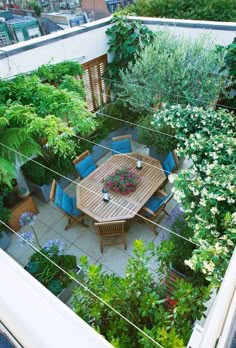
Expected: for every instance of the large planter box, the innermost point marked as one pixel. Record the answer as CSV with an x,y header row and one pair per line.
x,y
42,192
66,293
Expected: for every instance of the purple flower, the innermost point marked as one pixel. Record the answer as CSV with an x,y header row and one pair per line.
x,y
28,236
54,247
27,218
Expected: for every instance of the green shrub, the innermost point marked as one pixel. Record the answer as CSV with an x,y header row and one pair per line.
x,y
5,213
126,39
40,175
55,73
173,70
212,10
157,137
46,272
139,297
173,252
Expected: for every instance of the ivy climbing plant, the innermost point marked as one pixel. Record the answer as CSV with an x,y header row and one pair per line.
x,y
126,39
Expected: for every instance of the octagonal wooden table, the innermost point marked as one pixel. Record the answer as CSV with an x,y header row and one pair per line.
x,y
89,190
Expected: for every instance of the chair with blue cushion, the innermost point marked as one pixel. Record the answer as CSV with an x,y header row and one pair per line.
x,y
84,164
170,163
153,208
67,205
121,144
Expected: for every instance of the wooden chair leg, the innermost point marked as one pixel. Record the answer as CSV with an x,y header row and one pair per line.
x,y
68,225
72,222
125,242
101,245
166,212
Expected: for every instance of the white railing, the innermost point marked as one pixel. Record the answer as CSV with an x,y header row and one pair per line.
x,y
217,328
37,318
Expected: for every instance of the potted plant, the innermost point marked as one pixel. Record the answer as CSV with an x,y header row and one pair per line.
x,y
47,263
39,178
42,266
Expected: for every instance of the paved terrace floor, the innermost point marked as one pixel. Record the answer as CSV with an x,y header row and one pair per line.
x,y
82,241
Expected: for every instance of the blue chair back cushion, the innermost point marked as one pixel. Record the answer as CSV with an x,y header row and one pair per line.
x,y
66,202
121,146
154,203
169,164
86,166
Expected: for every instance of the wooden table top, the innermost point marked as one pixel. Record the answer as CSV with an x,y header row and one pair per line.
x,y
89,190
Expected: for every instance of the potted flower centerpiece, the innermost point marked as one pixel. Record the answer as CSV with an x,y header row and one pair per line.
x,y
122,181
49,264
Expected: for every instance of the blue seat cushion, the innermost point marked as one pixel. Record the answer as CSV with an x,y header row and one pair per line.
x,y
66,202
169,164
121,146
154,203
85,166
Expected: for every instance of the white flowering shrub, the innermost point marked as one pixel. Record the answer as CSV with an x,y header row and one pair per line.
x,y
207,190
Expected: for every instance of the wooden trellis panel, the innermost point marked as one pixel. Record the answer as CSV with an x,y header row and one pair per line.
x,y
96,92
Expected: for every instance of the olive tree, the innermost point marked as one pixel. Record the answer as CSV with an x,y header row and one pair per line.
x,y
174,69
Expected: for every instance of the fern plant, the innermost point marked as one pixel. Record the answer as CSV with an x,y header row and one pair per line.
x,y
14,141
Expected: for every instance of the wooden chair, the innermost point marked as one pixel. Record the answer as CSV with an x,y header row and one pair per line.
x,y
153,208
121,144
67,205
84,164
112,229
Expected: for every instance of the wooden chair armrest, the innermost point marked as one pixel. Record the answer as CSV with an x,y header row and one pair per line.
x,y
122,137
53,190
80,157
147,210
162,192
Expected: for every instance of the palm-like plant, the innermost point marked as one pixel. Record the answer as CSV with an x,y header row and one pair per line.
x,y
13,142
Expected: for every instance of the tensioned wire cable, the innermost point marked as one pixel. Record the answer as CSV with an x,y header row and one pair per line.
x,y
97,194
178,97
135,124
85,287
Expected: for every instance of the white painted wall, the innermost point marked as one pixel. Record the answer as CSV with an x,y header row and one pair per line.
x,y
85,46
88,45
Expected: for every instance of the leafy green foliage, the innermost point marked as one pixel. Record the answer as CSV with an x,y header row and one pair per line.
x,y
47,273
5,213
206,190
173,70
126,40
13,138
73,85
212,10
38,118
174,251
230,68
55,73
141,299
40,175
33,5
49,100
157,136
